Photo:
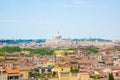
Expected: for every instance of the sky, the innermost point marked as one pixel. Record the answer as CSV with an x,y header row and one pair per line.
x,y
42,19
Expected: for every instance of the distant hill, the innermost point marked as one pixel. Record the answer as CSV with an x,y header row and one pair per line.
x,y
17,41
92,39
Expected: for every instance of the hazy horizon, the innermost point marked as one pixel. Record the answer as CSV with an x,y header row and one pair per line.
x,y
42,19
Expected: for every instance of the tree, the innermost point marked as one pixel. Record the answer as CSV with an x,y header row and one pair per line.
x,y
10,49
110,77
74,69
96,76
40,51
93,50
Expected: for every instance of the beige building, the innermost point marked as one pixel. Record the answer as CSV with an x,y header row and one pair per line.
x,y
57,42
3,74
73,76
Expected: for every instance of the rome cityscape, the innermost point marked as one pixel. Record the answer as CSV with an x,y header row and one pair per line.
x,y
59,40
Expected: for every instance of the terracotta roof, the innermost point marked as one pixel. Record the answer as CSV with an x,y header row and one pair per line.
x,y
44,59
12,71
10,61
109,51
83,71
88,61
115,67
16,74
108,62
27,62
103,73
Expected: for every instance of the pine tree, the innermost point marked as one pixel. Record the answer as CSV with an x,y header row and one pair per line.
x,y
110,77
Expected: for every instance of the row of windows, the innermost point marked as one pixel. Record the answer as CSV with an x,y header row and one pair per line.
x,y
67,74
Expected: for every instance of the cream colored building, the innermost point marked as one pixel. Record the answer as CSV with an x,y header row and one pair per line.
x,y
57,42
65,74
3,74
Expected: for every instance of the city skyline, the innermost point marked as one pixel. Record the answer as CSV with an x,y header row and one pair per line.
x,y
28,19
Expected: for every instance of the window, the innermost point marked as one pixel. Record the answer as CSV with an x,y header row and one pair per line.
x,y
64,74
74,74
43,70
49,70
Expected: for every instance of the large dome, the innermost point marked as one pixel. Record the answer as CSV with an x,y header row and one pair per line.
x,y
58,36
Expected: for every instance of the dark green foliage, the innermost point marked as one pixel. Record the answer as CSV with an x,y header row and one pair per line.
x,y
10,49
91,76
110,77
40,51
117,48
74,69
96,76
67,53
1,60
72,49
2,54
93,50
42,75
39,75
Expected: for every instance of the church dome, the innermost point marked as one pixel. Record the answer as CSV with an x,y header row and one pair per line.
x,y
58,36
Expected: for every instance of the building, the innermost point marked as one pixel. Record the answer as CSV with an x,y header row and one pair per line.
x,y
13,74
3,74
57,42
26,72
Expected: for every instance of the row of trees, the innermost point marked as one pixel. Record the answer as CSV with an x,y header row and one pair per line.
x,y
40,51
117,48
92,50
12,49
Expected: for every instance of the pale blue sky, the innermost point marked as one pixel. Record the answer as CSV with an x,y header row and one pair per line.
x,y
72,18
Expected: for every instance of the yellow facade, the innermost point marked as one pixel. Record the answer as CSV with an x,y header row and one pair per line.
x,y
2,57
25,74
68,76
61,52
3,76
65,74
84,76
